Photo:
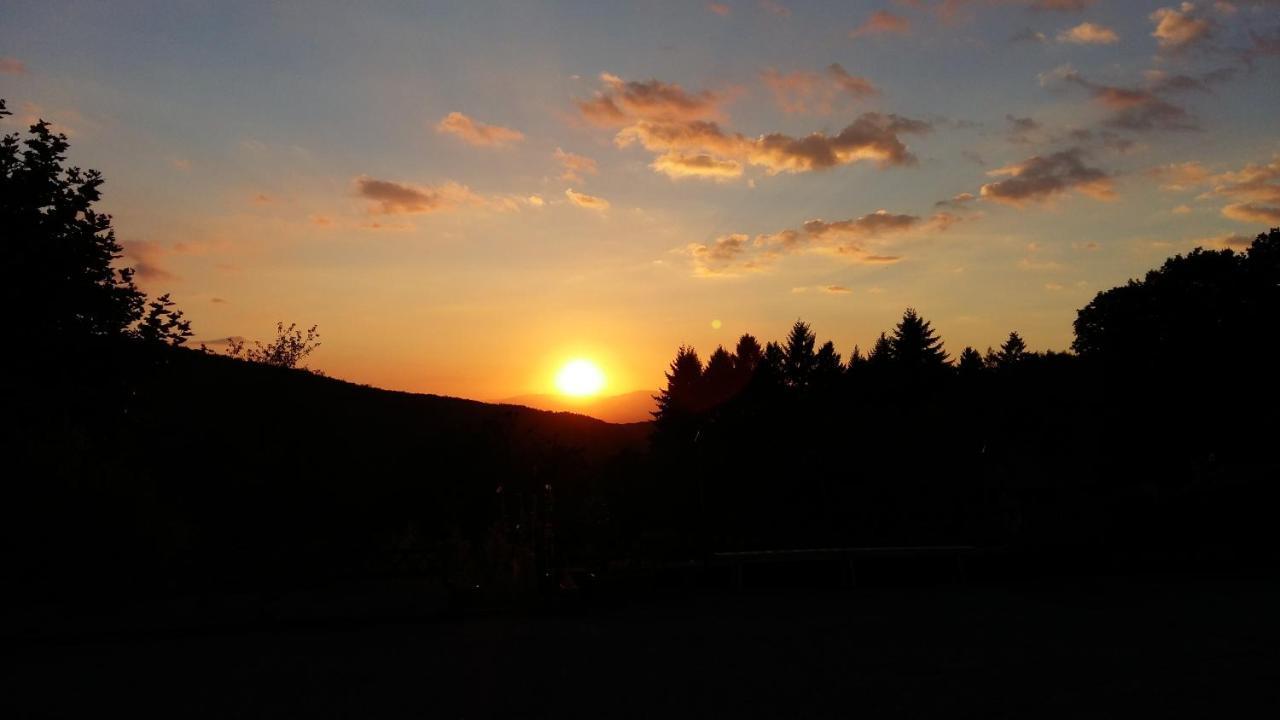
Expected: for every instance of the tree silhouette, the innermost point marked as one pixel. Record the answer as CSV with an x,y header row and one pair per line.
x,y
970,362
914,345
288,350
801,360
681,396
1012,353
747,355
60,249
718,379
827,368
164,323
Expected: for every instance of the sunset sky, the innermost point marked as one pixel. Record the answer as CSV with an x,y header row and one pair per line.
x,y
463,196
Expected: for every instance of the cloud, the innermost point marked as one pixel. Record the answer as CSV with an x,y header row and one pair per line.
x,y
720,9
776,8
872,136
800,91
1088,33
1020,128
1179,177
876,223
1040,178
583,200
474,132
867,239
393,198
666,120
1229,241
882,22
622,103
1254,190
676,165
12,66
145,258
1180,28
957,201
1028,35
575,166
836,290
1133,109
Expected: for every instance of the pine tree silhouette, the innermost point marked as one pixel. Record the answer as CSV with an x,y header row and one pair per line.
x,y
1012,353
914,345
801,360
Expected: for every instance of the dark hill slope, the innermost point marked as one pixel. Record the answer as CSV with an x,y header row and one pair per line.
x,y
192,465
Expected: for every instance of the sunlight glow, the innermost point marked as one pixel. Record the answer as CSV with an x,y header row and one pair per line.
x,y
580,378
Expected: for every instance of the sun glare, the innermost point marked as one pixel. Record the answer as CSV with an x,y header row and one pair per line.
x,y
580,378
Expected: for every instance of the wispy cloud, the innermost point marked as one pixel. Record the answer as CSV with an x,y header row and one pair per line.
x,y
882,22
574,166
801,91
1088,33
583,200
474,132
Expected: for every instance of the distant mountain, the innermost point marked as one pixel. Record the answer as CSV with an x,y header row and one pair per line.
x,y
631,407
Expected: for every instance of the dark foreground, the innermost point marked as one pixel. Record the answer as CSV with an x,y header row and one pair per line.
x,y
1094,648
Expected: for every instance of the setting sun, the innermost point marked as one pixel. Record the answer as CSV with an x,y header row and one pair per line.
x,y
580,378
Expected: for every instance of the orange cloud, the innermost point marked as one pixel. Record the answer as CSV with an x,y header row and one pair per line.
x,y
392,198
584,200
1178,177
1040,178
882,22
575,166
720,9
800,91
1180,28
1255,190
677,165
620,103
12,66
1088,33
474,132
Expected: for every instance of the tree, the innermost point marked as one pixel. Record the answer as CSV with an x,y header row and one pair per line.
x,y
164,323
681,397
288,350
747,355
881,355
60,250
801,360
1012,353
970,362
1202,311
827,368
718,377
914,345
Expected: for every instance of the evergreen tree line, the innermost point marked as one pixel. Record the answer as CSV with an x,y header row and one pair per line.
x,y
1153,435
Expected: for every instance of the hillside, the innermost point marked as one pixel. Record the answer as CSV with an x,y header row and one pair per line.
x,y
632,407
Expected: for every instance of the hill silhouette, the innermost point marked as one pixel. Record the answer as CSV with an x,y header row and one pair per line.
x,y
631,407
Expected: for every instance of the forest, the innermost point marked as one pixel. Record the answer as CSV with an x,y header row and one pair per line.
x,y
144,463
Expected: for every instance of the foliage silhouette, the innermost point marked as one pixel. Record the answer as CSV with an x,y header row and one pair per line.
x,y
288,350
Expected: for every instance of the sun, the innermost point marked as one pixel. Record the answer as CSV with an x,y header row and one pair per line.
x,y
580,378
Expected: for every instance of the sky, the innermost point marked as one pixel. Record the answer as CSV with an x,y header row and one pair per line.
x,y
464,196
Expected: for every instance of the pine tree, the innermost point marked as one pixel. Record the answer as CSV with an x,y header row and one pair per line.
x,y
827,368
881,355
718,379
970,362
680,397
915,346
746,356
801,360
1012,353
